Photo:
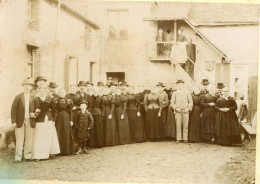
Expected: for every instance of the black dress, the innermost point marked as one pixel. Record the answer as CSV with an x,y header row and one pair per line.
x,y
194,123
120,103
136,123
64,129
111,137
170,127
227,125
208,117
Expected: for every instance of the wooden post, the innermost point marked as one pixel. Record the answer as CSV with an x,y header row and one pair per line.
x,y
175,31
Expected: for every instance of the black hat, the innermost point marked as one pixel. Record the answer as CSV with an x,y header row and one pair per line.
x,y
100,83
160,84
179,81
82,83
88,82
53,85
112,84
220,85
40,78
205,82
124,83
83,102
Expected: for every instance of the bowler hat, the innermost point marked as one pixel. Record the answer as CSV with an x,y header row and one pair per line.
x,y
89,83
100,83
28,81
205,82
83,102
40,78
179,81
82,83
124,83
220,85
53,85
160,84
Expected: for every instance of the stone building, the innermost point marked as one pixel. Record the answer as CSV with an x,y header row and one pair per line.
x,y
44,37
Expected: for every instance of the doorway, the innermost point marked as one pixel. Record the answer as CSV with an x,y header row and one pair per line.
x,y
116,76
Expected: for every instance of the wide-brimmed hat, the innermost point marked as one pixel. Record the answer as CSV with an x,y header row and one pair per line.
x,y
82,83
27,81
53,85
220,85
160,84
83,102
40,78
89,83
205,82
179,81
100,83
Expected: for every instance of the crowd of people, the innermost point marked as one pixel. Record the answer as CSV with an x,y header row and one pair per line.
x,y
49,121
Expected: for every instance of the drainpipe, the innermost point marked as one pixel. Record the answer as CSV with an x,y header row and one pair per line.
x,y
55,40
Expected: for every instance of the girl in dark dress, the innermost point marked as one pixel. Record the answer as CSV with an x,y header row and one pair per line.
x,y
134,116
227,125
107,111
64,123
170,128
153,112
194,123
119,101
99,128
208,102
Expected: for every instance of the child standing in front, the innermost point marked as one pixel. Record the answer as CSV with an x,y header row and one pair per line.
x,y
83,121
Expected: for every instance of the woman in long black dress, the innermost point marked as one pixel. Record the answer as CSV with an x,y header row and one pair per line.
x,y
64,124
153,112
170,127
227,125
208,102
120,103
99,128
194,123
134,116
107,112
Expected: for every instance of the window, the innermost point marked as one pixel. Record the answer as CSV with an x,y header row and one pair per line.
x,y
88,38
33,61
34,14
118,23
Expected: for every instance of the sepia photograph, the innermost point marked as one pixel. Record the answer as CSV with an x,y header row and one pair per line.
x,y
129,91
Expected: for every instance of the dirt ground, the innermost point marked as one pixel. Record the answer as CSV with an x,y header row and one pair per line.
x,y
143,162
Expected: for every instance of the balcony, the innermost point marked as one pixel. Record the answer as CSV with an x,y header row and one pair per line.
x,y
166,51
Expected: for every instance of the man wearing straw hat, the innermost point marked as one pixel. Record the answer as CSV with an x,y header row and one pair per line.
x,y
23,114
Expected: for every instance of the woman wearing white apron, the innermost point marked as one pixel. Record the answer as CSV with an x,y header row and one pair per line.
x,y
45,140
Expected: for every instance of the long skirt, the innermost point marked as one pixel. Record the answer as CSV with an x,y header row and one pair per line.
x,y
124,136
65,134
207,125
111,137
151,122
100,131
170,127
92,139
45,140
136,125
160,124
194,124
227,128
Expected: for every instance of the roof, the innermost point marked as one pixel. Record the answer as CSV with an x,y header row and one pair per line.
x,y
223,13
75,11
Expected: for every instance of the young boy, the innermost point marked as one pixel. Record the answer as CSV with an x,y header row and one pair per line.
x,y
83,121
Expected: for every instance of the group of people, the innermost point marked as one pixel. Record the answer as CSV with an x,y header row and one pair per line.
x,y
49,123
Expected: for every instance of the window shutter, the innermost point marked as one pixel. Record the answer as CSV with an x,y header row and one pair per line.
x,y
34,14
36,54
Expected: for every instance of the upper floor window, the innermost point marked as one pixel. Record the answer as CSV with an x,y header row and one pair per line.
x,y
118,23
34,14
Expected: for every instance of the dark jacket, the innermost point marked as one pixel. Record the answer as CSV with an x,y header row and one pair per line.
x,y
47,107
18,110
191,51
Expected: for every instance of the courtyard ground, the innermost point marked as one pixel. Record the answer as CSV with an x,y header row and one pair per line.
x,y
142,162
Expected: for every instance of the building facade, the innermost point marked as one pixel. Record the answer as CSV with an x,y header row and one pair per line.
x,y
44,37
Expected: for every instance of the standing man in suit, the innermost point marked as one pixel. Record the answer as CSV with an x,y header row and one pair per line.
x,y
23,118
191,54
181,103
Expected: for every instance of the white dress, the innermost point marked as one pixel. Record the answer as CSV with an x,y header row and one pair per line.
x,y
45,140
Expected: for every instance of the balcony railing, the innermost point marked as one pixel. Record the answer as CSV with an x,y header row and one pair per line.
x,y
167,51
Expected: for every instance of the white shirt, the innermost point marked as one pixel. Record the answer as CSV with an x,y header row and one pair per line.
x,y
26,104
